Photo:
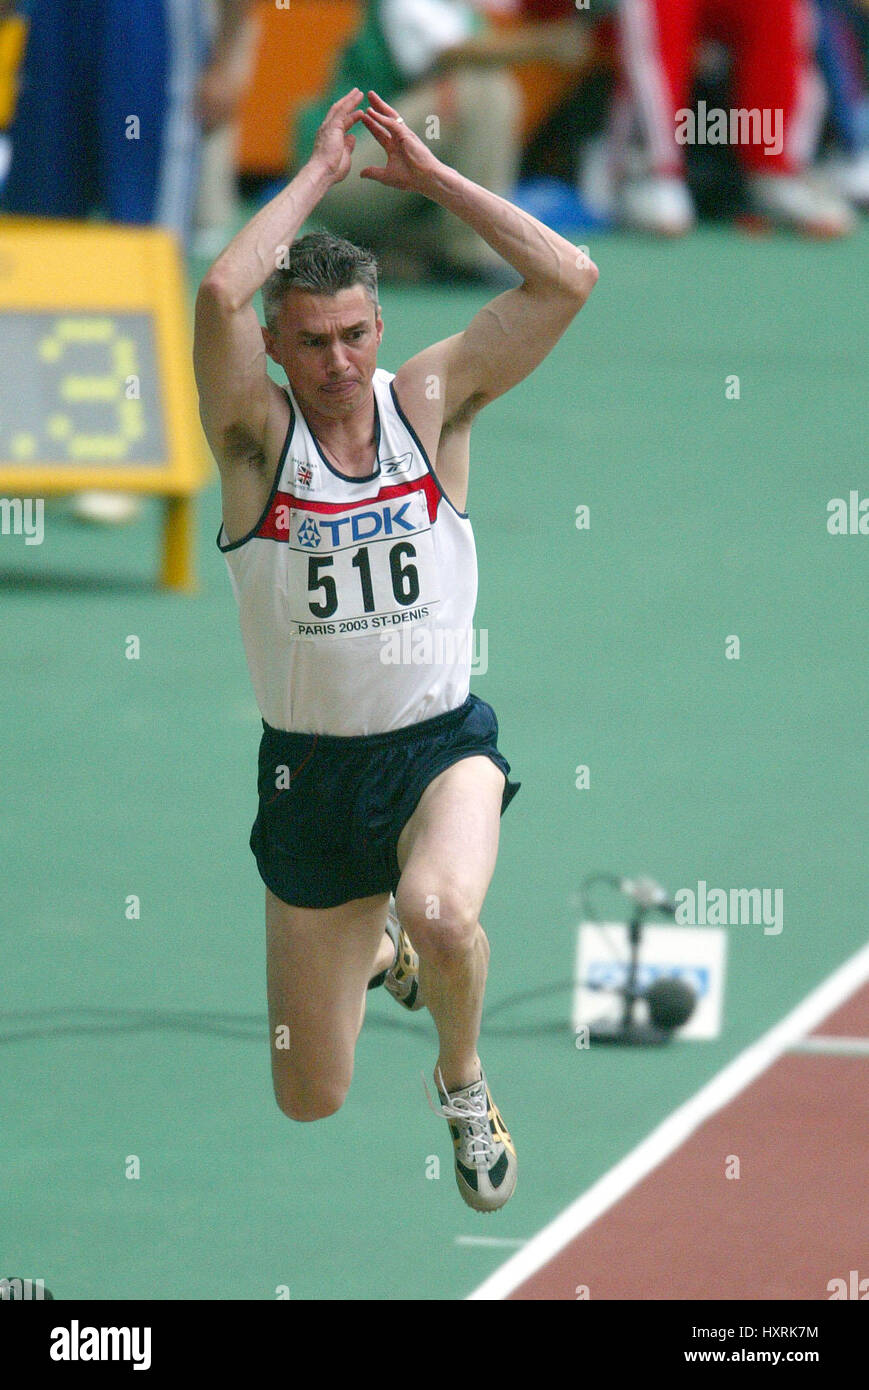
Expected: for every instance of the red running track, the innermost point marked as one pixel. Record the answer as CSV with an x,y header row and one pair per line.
x,y
793,1220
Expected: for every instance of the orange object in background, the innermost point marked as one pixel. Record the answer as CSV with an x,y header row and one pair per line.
x,y
542,86
295,54
13,33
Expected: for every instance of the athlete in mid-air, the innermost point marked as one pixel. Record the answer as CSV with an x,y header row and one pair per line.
x,y
352,559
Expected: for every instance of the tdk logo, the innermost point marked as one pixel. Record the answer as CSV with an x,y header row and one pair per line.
x,y
361,526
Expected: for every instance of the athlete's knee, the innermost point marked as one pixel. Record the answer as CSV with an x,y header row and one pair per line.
x,y
306,1102
441,923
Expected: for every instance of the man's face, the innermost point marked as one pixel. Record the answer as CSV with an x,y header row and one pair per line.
x,y
327,345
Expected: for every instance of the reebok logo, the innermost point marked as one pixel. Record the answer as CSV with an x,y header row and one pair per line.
x,y
401,464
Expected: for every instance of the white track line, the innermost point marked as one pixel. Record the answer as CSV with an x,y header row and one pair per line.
x,y
501,1241
673,1131
834,1047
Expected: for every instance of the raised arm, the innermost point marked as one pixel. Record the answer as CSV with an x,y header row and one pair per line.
x,y
512,334
236,394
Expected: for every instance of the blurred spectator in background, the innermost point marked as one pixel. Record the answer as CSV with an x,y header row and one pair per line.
x,y
566,138
13,30
113,99
774,74
843,55
221,87
616,147
448,73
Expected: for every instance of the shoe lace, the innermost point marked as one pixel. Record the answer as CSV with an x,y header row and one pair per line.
x,y
471,1112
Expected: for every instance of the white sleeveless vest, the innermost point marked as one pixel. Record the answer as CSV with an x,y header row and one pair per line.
x,y
356,595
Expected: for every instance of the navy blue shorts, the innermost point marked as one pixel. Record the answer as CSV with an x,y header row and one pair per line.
x,y
331,834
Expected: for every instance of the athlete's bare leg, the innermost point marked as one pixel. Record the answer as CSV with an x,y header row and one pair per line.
x,y
319,962
447,853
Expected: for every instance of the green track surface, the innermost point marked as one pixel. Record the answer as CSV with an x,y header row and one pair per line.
x,y
606,647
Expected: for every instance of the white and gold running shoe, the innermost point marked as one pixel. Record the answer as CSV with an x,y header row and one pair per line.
x,y
402,977
484,1154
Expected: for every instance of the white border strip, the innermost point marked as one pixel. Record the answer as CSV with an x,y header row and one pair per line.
x,y
833,1047
500,1241
673,1131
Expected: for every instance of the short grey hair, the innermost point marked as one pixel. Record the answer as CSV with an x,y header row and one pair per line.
x,y
319,263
